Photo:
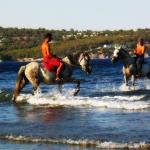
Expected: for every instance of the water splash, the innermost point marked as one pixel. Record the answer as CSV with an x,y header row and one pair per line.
x,y
55,99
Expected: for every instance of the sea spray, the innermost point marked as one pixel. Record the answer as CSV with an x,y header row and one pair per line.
x,y
56,99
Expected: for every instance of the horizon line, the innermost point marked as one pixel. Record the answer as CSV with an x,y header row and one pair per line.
x,y
110,29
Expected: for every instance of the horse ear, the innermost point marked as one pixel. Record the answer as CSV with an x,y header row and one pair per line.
x,y
117,47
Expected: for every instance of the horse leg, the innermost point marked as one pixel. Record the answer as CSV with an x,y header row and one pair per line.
x,y
34,82
148,75
133,81
16,92
77,82
77,87
20,83
33,78
35,85
60,83
126,80
19,87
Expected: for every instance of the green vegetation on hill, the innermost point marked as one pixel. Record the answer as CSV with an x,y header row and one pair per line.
x,y
25,43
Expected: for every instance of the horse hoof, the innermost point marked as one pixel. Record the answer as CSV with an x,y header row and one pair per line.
x,y
14,99
127,87
76,92
133,88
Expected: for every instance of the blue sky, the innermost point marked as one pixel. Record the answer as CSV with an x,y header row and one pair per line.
x,y
77,14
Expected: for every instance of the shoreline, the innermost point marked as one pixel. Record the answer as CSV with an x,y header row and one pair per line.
x,y
100,56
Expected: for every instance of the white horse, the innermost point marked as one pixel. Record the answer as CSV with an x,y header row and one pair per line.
x,y
35,73
129,65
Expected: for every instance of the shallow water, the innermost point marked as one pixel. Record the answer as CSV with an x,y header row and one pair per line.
x,y
104,115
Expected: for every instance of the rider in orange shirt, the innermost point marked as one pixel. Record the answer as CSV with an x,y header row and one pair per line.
x,y
50,62
139,52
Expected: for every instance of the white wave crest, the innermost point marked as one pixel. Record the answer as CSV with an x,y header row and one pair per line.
x,y
141,84
115,145
82,142
55,99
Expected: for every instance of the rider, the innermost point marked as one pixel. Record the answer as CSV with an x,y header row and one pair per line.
x,y
50,62
139,52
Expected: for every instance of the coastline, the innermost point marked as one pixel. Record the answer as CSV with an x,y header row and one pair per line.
x,y
100,57
97,55
93,55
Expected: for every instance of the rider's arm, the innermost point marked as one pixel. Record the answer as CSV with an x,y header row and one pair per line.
x,y
48,49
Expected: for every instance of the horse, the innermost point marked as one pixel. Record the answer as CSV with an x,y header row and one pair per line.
x,y
35,73
129,66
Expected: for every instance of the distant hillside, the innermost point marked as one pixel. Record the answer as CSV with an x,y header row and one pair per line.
x,y
25,43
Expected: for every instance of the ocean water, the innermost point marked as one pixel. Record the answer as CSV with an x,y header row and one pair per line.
x,y
104,115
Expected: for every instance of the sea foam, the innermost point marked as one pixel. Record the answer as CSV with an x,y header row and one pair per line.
x,y
79,142
55,99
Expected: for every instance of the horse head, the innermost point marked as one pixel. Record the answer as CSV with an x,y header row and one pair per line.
x,y
84,62
119,53
115,56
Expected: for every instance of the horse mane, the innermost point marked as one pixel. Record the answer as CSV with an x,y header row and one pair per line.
x,y
125,52
73,57
128,57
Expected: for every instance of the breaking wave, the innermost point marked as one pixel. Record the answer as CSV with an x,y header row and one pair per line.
x,y
55,99
80,142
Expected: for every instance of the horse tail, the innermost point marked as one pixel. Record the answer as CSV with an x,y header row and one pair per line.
x,y
19,82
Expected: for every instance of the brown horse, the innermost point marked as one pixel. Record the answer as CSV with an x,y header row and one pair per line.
x,y
129,66
35,73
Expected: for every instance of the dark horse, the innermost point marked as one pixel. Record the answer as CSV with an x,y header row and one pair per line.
x,y
35,73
